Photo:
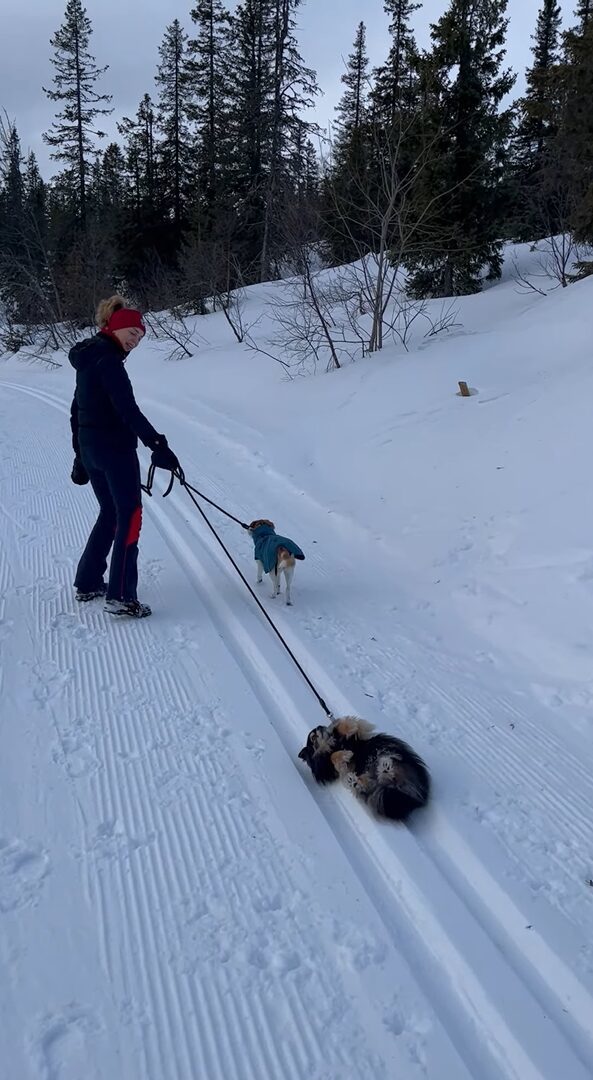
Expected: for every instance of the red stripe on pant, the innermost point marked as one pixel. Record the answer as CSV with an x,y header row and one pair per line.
x,y
132,538
135,526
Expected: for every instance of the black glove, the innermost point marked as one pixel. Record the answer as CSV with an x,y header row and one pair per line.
x,y
163,457
79,475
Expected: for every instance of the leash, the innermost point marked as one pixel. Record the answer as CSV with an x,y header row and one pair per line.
x,y
179,475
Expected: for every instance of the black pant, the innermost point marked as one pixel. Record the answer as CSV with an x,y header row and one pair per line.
x,y
115,480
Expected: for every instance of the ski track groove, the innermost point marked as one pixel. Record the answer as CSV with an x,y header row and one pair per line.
x,y
553,975
125,802
107,777
513,1058
559,974
169,1042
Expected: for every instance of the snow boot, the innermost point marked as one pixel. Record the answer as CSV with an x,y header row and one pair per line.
x,y
94,594
132,608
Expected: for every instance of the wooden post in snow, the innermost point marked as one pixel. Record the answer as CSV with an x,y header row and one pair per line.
x,y
464,389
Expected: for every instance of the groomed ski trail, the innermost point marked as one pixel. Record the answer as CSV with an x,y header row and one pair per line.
x,y
504,1013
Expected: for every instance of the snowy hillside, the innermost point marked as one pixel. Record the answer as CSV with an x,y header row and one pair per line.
x,y
177,900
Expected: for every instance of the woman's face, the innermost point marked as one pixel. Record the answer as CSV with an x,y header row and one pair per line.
x,y
129,338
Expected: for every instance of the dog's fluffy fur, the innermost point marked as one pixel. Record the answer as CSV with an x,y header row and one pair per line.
x,y
285,564
382,771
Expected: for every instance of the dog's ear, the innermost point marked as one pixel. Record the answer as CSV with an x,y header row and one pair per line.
x,y
305,753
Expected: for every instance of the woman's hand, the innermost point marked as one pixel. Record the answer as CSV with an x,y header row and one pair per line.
x,y
79,475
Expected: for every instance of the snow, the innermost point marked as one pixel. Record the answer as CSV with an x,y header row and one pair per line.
x,y
177,900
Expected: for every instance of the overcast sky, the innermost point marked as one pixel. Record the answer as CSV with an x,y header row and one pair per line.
x,y
127,34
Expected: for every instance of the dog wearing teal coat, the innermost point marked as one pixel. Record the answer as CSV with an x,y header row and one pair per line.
x,y
275,555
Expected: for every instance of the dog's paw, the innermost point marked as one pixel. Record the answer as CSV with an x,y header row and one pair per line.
x,y
340,760
350,727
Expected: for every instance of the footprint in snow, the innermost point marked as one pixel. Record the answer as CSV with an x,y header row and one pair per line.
x,y
80,634
22,872
62,1045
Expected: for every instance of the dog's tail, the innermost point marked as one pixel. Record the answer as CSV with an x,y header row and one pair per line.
x,y
396,800
391,803
284,559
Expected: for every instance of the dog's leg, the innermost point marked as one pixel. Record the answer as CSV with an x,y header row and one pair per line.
x,y
260,571
288,575
275,576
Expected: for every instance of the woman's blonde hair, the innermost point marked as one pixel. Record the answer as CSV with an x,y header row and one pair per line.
x,y
107,307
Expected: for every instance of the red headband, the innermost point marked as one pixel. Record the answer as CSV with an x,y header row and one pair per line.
x,y
125,319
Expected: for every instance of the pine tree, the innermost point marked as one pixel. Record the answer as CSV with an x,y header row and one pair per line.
x,y
464,85
35,192
584,14
11,163
395,81
174,107
141,157
533,206
348,180
148,231
574,157
294,87
36,219
211,73
75,79
272,90
111,202
352,107
12,219
538,106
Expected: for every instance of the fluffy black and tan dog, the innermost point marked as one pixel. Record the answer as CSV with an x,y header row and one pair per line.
x,y
382,771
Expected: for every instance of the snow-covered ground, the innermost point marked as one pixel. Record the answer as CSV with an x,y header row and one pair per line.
x,y
177,900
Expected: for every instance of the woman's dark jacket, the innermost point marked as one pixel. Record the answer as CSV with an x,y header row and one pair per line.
x,y
104,411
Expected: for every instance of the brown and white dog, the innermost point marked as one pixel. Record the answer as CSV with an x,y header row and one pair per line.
x,y
275,555
382,771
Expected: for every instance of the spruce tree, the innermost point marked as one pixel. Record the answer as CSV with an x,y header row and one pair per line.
x,y
174,107
35,193
12,221
539,119
395,80
534,208
293,90
575,137
211,72
351,110
584,14
140,148
464,86
111,202
273,88
75,80
348,180
36,220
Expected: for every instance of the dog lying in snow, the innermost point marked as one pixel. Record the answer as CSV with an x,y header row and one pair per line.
x,y
382,771
275,555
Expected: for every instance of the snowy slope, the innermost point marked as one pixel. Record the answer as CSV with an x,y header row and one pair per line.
x,y
176,899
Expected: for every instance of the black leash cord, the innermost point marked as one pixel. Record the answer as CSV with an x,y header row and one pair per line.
x,y
179,475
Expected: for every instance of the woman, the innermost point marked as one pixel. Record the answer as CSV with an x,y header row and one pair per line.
x,y
106,425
